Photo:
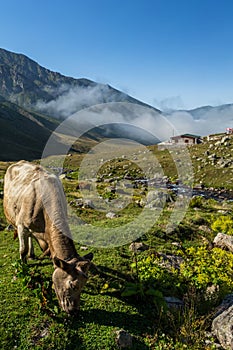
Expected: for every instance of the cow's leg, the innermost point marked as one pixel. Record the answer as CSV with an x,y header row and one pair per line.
x,y
23,235
46,253
31,254
40,238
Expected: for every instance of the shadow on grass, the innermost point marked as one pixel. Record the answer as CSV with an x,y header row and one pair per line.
x,y
136,324
132,323
40,262
107,272
96,323
116,280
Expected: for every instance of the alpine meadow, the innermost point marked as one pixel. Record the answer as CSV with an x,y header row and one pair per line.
x,y
137,251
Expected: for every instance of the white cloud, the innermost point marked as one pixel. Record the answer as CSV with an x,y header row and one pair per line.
x,y
169,103
215,120
73,99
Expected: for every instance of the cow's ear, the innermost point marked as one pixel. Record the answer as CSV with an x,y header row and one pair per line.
x,y
83,266
88,256
62,264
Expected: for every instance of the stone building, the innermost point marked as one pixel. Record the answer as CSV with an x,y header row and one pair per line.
x,y
186,138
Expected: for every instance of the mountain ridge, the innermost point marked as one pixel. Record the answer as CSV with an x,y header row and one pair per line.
x,y
23,135
25,126
24,82
39,99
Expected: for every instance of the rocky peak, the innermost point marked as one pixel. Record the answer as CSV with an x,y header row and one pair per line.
x,y
23,81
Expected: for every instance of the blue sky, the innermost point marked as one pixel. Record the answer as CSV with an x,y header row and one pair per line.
x,y
168,53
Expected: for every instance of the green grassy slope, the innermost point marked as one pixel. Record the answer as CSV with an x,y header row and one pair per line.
x,y
23,135
30,317
212,161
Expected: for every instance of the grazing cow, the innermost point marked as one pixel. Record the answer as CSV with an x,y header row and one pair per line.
x,y
35,204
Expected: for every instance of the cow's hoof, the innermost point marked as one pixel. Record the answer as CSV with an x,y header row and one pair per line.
x,y
32,257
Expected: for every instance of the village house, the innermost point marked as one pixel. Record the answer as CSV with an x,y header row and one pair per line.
x,y
186,138
229,131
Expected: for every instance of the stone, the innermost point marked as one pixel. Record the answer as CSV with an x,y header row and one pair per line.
x,y
156,199
209,341
224,241
177,244
111,215
212,292
204,228
157,203
226,303
124,339
87,203
170,261
138,247
173,302
222,324
225,138
212,156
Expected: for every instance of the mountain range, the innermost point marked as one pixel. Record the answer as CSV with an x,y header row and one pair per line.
x,y
31,100
35,100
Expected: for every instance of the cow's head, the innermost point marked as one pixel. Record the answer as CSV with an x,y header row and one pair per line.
x,y
69,278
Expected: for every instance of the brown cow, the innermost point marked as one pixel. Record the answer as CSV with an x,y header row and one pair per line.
x,y
35,204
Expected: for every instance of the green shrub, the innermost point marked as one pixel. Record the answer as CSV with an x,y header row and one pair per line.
x,y
224,224
152,280
150,271
200,269
203,267
196,202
